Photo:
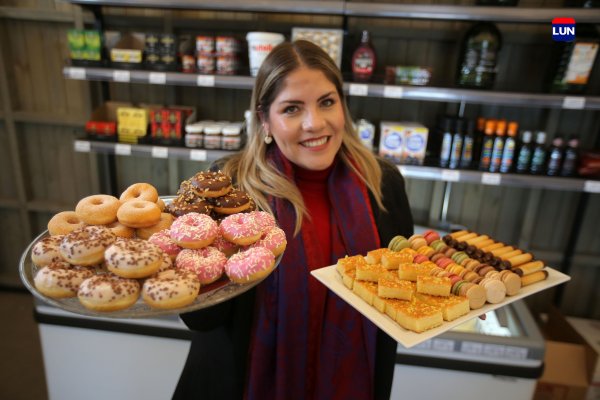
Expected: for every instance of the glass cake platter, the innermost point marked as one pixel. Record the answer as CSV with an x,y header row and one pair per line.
x,y
210,295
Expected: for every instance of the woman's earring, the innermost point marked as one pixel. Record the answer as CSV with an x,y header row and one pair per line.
x,y
268,138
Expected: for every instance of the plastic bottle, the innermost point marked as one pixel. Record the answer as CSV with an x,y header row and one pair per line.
x,y
487,145
555,156
525,151
457,144
479,134
477,65
466,158
538,158
510,144
447,126
363,59
498,147
571,158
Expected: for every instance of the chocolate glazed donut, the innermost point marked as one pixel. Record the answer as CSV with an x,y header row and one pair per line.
x,y
233,202
211,184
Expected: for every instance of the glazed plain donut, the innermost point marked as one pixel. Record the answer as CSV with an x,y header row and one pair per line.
x,y
225,246
163,240
46,250
211,184
161,204
121,230
165,222
133,258
98,209
233,202
250,265
171,289
194,231
60,279
64,222
207,263
240,229
86,246
138,214
108,292
273,240
140,191
264,220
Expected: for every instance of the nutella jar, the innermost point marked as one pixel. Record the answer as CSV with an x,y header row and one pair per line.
x,y
227,45
195,133
232,138
205,44
227,64
206,63
212,136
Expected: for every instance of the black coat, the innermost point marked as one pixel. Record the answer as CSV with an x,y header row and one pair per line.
x,y
216,364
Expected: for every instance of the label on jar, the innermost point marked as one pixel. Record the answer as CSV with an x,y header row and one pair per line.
x,y
231,142
212,142
227,45
206,64
205,44
227,64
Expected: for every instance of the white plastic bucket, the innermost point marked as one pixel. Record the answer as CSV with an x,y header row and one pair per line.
x,y
260,45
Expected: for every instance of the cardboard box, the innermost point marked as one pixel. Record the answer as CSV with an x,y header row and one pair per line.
x,y
569,362
102,124
590,330
403,142
167,124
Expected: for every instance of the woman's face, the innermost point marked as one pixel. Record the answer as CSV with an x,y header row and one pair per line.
x,y
306,119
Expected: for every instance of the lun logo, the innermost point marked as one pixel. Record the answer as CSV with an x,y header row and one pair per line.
x,y
563,29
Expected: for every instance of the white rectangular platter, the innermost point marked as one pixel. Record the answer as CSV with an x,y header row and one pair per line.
x,y
332,280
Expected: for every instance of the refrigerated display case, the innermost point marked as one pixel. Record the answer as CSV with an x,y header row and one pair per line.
x,y
499,358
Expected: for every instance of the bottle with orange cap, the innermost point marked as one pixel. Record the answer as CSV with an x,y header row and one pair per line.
x,y
498,147
487,145
510,144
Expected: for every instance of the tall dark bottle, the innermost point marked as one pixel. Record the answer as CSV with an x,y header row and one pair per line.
x,y
571,158
538,158
457,144
479,55
555,157
487,145
498,146
466,159
525,152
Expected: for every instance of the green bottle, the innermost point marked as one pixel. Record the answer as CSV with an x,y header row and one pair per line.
x,y
477,65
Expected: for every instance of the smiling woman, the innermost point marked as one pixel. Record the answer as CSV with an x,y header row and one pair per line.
x,y
304,163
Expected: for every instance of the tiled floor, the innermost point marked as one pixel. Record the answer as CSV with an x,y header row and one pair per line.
x,y
21,364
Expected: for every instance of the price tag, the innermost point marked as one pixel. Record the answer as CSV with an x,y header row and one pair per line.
x,y
122,149
574,103
82,146
160,152
357,89
121,76
157,78
205,80
443,345
198,155
490,179
395,92
591,186
76,73
450,175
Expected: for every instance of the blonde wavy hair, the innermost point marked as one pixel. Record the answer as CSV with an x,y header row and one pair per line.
x,y
250,168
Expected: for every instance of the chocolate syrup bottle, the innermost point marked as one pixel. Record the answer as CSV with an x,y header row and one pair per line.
x,y
363,59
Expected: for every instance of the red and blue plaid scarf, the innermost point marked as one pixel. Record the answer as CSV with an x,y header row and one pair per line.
x,y
278,367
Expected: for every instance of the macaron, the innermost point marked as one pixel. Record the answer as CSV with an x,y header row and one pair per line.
x,y
495,290
436,257
449,251
476,295
512,282
417,241
431,236
443,262
485,270
438,245
426,250
398,243
420,258
459,256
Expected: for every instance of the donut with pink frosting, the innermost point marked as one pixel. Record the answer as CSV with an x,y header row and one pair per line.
x,y
250,265
225,246
208,263
163,240
194,231
274,240
241,229
264,220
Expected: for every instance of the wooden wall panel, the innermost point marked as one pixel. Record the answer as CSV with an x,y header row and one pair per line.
x,y
7,178
11,249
